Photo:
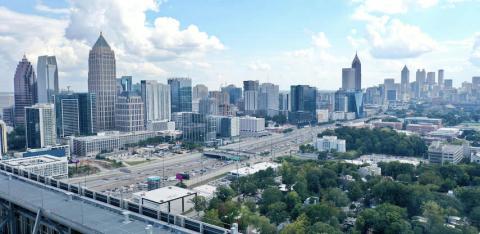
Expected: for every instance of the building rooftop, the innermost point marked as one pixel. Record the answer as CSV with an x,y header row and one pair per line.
x,y
244,171
164,194
35,160
439,146
82,214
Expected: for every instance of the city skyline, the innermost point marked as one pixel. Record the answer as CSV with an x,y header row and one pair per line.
x,y
308,50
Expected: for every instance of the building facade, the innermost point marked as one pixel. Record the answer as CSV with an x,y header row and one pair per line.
x,y
47,79
329,143
268,99
442,153
129,113
250,96
102,81
25,88
3,139
76,114
40,126
180,94
156,100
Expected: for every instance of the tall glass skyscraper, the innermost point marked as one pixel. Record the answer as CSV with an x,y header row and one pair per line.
x,y
102,81
181,94
76,114
358,72
47,79
25,88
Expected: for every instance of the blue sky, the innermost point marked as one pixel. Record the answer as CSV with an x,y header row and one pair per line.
x,y
217,42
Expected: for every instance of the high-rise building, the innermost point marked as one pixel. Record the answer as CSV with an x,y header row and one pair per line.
x,y
476,82
197,129
405,83
102,81
448,83
3,139
250,95
199,91
47,79
75,114
349,101
180,94
8,115
7,99
358,72
156,100
284,102
348,79
303,104
124,84
25,89
222,100
268,99
40,126
208,106
234,92
430,78
129,115
390,91
441,76
420,77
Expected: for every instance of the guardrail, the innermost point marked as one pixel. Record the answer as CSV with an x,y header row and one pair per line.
x,y
137,210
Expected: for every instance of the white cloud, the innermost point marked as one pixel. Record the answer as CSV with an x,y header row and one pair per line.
x,y
259,66
475,54
395,39
145,49
391,7
320,40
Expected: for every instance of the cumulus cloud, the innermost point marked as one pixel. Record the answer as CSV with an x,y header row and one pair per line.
x,y
145,48
320,40
391,6
475,54
395,39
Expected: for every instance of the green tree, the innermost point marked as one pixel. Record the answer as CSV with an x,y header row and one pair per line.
x,y
292,199
300,226
224,193
323,228
277,212
211,217
200,203
385,218
337,197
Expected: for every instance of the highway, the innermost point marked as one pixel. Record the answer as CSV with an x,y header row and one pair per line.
x,y
276,145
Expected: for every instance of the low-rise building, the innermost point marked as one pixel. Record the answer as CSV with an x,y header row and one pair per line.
x,y
329,143
56,151
250,170
441,153
249,124
170,199
393,125
422,129
160,125
370,170
323,116
44,165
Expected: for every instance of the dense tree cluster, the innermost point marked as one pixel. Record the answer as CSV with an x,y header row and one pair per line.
x,y
331,197
379,140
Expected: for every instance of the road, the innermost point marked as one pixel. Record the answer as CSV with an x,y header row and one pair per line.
x,y
275,144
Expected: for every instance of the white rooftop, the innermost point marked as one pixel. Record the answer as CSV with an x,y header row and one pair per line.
x,y
164,194
244,171
205,190
31,161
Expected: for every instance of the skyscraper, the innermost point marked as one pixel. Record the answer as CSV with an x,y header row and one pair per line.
x,y
405,82
234,92
40,126
420,77
25,89
75,114
431,78
47,79
199,91
441,76
156,100
348,79
250,95
3,139
102,82
180,94
358,72
129,115
124,84
268,99
303,104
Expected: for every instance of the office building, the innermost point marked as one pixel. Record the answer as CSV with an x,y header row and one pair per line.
x,y
208,106
226,126
102,81
44,165
430,78
124,84
358,72
250,96
249,124
25,89
235,93
443,153
75,114
156,99
268,99
161,125
448,84
323,116
129,113
7,99
405,83
40,126
284,102
303,104
441,77
423,120
330,143
420,78
348,78
349,101
47,79
197,129
199,91
8,115
180,94
55,151
3,139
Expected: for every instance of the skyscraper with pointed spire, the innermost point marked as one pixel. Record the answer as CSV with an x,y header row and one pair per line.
x,y
405,83
358,72
25,88
102,82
